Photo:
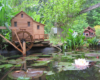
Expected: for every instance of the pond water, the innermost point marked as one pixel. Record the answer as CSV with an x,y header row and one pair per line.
x,y
60,67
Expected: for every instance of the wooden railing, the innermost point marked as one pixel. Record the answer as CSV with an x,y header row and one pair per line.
x,y
40,36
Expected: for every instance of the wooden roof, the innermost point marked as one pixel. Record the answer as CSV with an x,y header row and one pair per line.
x,y
89,30
28,16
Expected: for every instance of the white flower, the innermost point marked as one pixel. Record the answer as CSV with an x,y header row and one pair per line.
x,y
81,64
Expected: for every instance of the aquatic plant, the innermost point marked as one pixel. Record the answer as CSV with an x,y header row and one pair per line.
x,y
93,42
29,74
81,64
74,42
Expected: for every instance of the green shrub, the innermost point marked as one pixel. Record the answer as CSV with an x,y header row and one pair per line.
x,y
74,42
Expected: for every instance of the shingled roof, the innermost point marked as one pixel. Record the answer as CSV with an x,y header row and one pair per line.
x,y
28,16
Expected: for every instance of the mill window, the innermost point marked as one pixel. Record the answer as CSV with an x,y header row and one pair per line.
x,y
15,24
38,27
28,23
22,15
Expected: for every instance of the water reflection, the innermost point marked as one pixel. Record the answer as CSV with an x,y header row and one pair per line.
x,y
87,74
91,73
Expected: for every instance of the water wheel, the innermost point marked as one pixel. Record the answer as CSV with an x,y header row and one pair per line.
x,y
25,36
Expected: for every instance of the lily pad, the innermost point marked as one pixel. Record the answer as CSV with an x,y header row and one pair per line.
x,y
94,59
16,74
31,73
44,56
34,73
2,66
69,56
23,78
41,63
35,54
68,53
17,61
31,58
44,59
12,61
76,54
63,66
92,54
18,65
71,67
6,65
49,72
3,61
64,63
3,58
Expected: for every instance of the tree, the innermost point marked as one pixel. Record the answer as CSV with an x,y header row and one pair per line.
x,y
56,13
93,15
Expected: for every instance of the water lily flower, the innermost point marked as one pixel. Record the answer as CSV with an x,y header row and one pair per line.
x,y
81,64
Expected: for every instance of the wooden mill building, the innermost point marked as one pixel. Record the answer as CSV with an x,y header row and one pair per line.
x,y
28,29
24,22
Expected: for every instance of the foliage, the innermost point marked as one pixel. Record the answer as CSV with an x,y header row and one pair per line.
x,y
97,28
93,41
6,13
93,15
56,14
74,42
80,23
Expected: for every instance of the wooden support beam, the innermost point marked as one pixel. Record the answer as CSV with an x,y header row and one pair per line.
x,y
24,53
11,44
18,39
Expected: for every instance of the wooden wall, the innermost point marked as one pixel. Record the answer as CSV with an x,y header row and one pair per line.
x,y
22,23
38,33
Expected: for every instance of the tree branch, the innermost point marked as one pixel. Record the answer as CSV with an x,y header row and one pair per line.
x,y
90,8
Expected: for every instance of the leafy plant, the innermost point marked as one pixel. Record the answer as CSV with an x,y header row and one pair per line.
x,y
93,41
74,42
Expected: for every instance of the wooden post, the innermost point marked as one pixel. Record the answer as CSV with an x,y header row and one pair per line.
x,y
24,48
24,53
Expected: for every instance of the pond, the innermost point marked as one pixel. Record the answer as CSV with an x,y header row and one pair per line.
x,y
51,66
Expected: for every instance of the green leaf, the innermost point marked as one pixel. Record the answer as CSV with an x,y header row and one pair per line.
x,y
6,24
8,65
23,78
49,72
2,66
18,65
39,64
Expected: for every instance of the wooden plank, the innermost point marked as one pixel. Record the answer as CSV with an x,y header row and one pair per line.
x,y
1,27
11,43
